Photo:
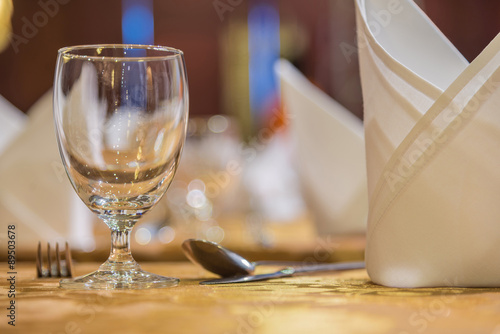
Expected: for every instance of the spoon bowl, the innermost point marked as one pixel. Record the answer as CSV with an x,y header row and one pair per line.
x,y
216,259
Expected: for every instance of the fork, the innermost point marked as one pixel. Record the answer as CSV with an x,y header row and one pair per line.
x,y
59,268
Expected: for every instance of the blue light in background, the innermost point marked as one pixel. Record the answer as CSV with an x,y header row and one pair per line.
x,y
137,22
137,28
264,50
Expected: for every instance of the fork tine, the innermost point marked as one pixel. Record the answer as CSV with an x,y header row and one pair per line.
x,y
39,263
69,264
49,260
58,261
56,267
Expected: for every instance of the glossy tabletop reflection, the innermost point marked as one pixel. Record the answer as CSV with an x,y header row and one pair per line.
x,y
345,302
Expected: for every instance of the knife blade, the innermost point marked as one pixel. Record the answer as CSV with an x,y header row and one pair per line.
x,y
287,272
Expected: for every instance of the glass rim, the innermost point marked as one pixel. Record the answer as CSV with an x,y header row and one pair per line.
x,y
172,52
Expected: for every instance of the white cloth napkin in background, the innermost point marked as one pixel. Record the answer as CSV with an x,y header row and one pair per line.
x,y
330,154
12,122
35,193
432,130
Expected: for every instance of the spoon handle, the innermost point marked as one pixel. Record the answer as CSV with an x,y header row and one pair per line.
x,y
287,272
330,267
279,263
250,278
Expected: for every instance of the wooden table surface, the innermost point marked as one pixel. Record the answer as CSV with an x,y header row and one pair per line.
x,y
345,302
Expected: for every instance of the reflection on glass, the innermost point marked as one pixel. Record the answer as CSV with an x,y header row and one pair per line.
x,y
120,114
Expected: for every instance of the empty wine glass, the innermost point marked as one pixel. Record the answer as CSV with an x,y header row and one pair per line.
x,y
120,113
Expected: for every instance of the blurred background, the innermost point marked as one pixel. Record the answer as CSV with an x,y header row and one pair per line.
x,y
230,48
222,41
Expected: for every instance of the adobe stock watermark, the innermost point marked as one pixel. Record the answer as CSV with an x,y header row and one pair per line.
x,y
376,21
31,27
250,322
86,145
86,313
323,251
217,181
223,6
426,145
437,308
248,152
262,310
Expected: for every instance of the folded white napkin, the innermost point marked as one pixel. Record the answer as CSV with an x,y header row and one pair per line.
x,y
432,130
12,122
330,153
35,194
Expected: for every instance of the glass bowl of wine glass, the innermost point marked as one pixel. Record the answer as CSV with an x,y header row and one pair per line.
x,y
120,113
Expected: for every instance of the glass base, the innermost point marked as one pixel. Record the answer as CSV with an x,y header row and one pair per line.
x,y
121,279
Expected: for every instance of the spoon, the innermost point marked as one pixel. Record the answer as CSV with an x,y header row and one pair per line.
x,y
221,261
225,263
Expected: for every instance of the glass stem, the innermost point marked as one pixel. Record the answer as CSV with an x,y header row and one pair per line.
x,y
120,257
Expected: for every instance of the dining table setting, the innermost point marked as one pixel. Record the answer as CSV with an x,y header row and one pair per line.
x,y
331,302
123,213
